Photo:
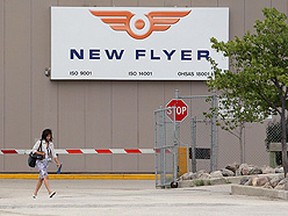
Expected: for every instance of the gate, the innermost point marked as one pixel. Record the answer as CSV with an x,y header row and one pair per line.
x,y
166,143
199,132
195,132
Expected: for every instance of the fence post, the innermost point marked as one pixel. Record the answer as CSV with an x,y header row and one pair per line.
x,y
155,146
193,144
162,155
176,136
214,145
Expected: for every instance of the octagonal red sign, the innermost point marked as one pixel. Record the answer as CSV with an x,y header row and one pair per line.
x,y
181,109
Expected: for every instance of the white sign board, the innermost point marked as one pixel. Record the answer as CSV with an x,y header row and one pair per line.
x,y
115,43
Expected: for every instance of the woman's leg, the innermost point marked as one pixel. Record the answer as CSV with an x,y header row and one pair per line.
x,y
39,167
46,183
38,186
45,179
43,175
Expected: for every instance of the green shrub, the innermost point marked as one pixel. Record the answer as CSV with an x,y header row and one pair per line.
x,y
199,182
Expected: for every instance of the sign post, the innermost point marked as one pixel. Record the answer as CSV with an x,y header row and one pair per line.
x,y
181,110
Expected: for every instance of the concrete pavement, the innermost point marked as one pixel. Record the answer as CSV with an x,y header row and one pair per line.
x,y
130,197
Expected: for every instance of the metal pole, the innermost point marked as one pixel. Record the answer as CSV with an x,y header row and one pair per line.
x,y
155,146
177,136
244,145
214,145
193,144
177,93
175,146
162,150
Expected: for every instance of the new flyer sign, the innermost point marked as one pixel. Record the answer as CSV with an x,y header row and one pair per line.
x,y
135,43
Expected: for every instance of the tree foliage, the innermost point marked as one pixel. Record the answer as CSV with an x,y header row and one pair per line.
x,y
255,86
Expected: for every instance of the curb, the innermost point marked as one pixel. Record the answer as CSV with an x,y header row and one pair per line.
x,y
261,192
81,176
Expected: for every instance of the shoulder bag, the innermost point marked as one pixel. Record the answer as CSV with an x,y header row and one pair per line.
x,y
34,156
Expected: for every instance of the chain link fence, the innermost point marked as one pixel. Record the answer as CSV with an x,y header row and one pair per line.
x,y
273,142
207,147
195,134
199,134
166,146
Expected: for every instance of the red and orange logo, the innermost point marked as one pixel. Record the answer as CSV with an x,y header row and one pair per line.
x,y
137,26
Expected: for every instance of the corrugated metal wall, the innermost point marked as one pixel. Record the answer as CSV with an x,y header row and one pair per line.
x,y
93,114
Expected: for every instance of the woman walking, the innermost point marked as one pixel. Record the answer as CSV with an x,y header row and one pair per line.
x,y
45,147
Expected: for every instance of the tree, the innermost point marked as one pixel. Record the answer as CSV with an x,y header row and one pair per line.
x,y
232,117
258,75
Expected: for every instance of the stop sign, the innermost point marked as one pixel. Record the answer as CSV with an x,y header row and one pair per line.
x,y
181,109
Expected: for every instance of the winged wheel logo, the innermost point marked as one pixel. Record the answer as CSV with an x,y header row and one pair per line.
x,y
140,26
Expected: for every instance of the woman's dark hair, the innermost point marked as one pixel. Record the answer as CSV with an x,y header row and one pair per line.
x,y
45,133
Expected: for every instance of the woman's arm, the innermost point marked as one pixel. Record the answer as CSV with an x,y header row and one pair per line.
x,y
54,155
35,148
56,161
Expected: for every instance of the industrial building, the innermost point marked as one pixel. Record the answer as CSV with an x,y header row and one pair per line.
x,y
102,113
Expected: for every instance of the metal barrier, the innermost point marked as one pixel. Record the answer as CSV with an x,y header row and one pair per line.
x,y
200,133
74,151
194,133
201,144
166,144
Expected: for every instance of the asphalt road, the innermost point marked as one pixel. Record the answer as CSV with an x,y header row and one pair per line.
x,y
129,197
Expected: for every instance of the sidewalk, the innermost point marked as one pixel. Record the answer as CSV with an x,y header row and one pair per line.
x,y
130,197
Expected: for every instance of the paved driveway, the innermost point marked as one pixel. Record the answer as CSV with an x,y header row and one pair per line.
x,y
127,197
